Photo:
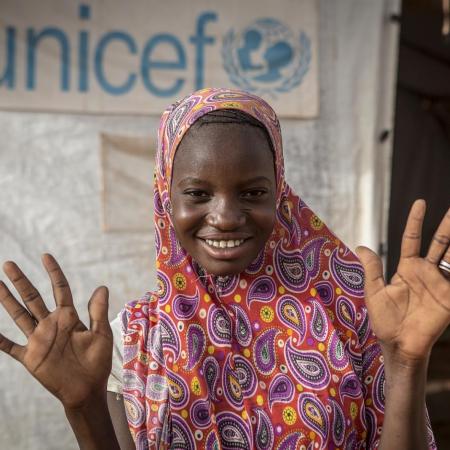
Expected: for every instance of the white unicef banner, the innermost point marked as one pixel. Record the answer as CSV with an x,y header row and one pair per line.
x,y
113,56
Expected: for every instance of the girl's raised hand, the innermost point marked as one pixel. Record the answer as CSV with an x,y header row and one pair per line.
x,y
409,314
69,360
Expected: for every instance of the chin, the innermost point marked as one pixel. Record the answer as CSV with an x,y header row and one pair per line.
x,y
224,269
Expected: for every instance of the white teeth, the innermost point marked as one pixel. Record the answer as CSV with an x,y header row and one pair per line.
x,y
224,244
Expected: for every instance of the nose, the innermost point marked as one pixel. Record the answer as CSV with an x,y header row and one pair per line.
x,y
226,215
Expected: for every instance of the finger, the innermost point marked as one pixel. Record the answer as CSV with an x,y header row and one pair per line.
x,y
440,241
445,269
16,311
373,270
61,289
440,291
412,236
11,348
30,295
396,279
98,311
447,255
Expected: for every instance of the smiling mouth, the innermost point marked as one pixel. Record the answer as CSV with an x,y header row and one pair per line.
x,y
229,243
226,249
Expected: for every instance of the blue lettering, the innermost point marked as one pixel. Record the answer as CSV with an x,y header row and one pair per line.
x,y
32,42
148,64
174,58
200,40
99,56
84,12
83,65
8,77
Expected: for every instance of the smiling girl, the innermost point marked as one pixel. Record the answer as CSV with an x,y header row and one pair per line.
x,y
262,332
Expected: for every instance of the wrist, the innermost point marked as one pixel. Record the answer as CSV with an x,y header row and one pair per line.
x,y
95,402
92,425
401,368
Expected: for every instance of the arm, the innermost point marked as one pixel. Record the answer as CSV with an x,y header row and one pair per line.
x,y
404,420
115,386
119,419
408,316
93,426
68,359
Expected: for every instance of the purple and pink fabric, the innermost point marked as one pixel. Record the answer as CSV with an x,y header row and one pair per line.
x,y
280,356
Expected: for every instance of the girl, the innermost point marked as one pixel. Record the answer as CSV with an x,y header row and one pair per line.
x,y
258,335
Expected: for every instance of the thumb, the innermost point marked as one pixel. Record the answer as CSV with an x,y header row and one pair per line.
x,y
98,311
373,270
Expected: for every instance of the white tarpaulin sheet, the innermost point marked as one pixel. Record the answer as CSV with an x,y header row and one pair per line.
x,y
139,56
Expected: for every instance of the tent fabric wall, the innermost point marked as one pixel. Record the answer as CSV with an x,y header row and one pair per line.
x,y
50,192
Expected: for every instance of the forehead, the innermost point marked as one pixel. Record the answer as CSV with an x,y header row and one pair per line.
x,y
224,150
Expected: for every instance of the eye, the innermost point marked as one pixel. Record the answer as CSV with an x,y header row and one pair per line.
x,y
254,193
197,194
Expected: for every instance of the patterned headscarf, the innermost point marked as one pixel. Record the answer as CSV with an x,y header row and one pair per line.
x,y
279,356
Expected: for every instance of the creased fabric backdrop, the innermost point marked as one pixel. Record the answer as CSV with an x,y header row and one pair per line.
x,y
51,191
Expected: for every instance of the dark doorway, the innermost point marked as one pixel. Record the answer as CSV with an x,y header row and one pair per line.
x,y
421,160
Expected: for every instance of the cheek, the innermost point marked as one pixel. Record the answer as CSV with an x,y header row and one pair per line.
x,y
265,218
185,217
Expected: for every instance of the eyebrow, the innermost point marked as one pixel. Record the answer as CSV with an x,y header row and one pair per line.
x,y
191,180
257,180
198,181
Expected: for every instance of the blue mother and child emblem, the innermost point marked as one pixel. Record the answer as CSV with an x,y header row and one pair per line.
x,y
266,57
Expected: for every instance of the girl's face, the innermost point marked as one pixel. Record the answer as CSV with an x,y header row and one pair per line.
x,y
223,195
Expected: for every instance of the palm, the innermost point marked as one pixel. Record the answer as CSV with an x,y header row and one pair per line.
x,y
69,360
409,314
66,358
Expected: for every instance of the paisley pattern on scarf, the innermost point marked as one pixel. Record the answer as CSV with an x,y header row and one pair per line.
x,y
280,356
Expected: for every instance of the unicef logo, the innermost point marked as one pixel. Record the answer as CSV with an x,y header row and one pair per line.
x,y
266,57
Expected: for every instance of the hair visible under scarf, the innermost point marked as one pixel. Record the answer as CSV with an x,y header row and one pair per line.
x,y
230,116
